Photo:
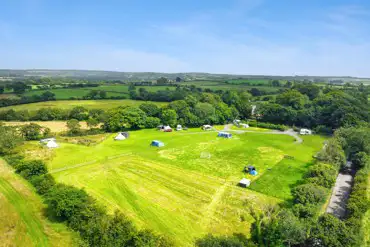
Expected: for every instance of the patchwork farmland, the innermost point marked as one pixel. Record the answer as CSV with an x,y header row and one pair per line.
x,y
175,190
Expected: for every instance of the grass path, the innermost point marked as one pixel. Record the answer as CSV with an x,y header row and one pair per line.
x,y
22,208
210,210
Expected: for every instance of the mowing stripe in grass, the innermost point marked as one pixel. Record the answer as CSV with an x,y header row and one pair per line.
x,y
34,226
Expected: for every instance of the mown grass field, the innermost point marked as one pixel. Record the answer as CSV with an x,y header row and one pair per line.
x,y
69,104
21,211
68,93
187,188
54,126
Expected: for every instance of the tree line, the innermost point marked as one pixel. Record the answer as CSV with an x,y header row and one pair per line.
x,y
304,105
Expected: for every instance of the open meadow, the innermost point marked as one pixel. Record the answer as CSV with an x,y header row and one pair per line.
x,y
187,188
69,104
21,211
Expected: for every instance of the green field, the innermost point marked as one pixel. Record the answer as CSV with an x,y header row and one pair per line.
x,y
64,94
69,104
21,210
112,91
187,188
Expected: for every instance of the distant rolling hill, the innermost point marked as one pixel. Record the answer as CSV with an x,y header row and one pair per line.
x,y
142,76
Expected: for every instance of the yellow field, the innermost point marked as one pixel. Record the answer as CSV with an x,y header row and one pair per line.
x,y
54,126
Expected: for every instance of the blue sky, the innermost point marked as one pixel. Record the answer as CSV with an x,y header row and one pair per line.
x,y
287,37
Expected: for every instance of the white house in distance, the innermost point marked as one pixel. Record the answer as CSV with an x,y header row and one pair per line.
x,y
305,132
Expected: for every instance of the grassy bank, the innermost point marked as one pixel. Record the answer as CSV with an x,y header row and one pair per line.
x,y
25,224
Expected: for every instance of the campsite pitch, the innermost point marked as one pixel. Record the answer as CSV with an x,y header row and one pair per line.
x,y
177,190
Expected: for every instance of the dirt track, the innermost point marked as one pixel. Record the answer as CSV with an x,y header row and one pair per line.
x,y
289,132
340,195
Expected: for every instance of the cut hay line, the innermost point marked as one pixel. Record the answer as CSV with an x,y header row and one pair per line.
x,y
25,224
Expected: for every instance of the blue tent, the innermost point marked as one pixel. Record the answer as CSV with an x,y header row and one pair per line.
x,y
253,172
224,135
156,143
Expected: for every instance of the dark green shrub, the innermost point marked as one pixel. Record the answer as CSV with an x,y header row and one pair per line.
x,y
309,194
322,174
31,168
42,183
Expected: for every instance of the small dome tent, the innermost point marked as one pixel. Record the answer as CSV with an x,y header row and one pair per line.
x,y
156,143
52,144
224,135
119,137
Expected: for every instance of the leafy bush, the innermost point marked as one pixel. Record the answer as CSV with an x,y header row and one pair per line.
x,y
309,194
152,122
223,241
14,159
272,126
333,154
305,211
42,183
331,232
31,168
67,201
322,174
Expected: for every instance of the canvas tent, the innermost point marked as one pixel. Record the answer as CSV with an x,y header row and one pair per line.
x,y
47,140
167,129
305,132
207,127
244,182
119,137
52,144
224,135
156,143
125,134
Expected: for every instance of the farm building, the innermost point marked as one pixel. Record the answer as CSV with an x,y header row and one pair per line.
x,y
156,143
119,137
244,182
207,127
224,135
52,144
305,132
178,127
